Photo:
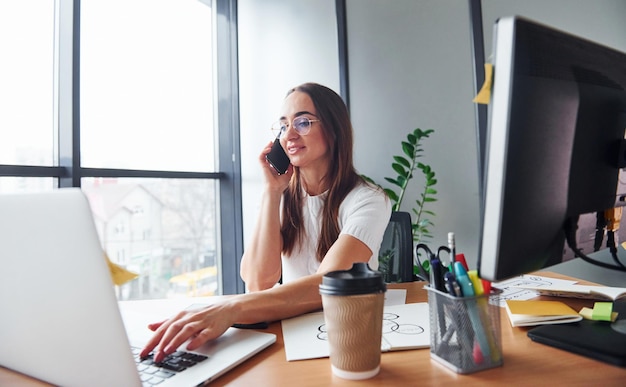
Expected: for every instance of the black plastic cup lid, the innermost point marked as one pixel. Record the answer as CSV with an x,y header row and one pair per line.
x,y
361,279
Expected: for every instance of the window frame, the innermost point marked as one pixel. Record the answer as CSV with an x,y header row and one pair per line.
x,y
67,127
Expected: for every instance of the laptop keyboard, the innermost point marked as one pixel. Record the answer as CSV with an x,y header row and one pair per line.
x,y
153,374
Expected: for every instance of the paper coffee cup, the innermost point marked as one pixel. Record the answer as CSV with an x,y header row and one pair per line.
x,y
353,303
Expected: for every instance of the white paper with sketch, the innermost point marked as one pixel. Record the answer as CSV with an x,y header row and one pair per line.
x,y
511,288
405,326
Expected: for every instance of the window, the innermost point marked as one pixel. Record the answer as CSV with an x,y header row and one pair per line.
x,y
125,107
146,98
26,87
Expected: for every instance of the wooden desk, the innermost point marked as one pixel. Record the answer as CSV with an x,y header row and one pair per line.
x,y
525,363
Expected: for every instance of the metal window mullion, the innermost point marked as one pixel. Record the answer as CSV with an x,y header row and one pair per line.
x,y
30,171
67,91
478,62
342,40
231,219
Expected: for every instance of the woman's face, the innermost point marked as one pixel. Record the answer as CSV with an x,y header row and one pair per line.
x,y
309,150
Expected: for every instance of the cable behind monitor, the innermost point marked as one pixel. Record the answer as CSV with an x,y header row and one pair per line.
x,y
570,227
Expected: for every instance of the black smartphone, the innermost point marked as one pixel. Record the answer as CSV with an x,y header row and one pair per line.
x,y
278,158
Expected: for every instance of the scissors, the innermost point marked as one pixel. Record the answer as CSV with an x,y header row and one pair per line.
x,y
432,269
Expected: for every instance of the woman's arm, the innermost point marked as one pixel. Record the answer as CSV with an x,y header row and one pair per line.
x,y
277,303
261,262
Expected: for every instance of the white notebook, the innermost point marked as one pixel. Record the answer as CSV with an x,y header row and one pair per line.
x,y
405,326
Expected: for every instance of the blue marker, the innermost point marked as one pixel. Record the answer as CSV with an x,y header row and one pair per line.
x,y
463,280
451,284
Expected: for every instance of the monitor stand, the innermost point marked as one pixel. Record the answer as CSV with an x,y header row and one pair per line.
x,y
580,269
619,325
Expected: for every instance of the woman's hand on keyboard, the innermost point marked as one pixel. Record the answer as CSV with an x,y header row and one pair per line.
x,y
198,326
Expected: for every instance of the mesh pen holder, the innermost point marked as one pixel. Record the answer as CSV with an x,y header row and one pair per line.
x,y
464,331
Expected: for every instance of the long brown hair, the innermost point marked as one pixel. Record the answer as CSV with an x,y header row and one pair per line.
x,y
341,176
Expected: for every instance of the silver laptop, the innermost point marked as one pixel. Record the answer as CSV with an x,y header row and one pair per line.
x,y
59,318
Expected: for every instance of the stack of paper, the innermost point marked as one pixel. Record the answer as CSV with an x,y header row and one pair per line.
x,y
606,293
528,313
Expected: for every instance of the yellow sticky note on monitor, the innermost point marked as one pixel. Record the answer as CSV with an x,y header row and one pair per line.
x,y
484,95
119,275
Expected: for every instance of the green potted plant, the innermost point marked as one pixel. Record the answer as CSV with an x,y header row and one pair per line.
x,y
405,165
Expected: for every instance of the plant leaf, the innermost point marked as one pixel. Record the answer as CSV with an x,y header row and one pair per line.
x,y
402,160
399,169
393,181
412,138
408,149
389,179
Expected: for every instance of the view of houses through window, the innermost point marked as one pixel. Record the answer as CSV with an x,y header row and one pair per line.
x,y
162,229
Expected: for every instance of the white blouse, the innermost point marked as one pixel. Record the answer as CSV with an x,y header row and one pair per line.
x,y
363,214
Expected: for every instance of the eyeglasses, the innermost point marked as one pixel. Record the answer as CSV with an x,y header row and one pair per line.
x,y
302,125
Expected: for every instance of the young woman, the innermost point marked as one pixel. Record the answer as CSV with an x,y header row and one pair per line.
x,y
319,216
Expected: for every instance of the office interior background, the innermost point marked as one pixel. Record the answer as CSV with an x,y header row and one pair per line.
x,y
187,97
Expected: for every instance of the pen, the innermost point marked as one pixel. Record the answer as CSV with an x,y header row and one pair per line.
x,y
436,282
259,325
466,338
463,280
475,320
452,286
436,274
486,286
461,258
478,290
452,247
484,317
476,282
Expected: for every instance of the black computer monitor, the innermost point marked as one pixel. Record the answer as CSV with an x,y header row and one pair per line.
x,y
555,143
